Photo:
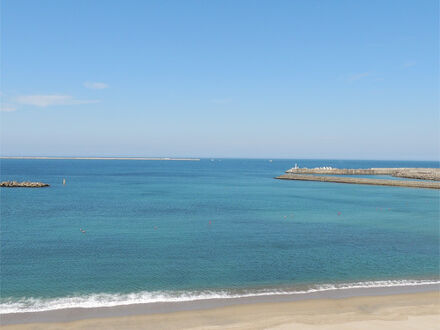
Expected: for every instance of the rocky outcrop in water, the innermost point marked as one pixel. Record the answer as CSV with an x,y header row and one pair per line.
x,y
24,184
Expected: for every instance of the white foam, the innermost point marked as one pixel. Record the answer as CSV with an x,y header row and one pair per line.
x,y
107,300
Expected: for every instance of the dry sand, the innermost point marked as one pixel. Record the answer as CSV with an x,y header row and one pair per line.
x,y
398,312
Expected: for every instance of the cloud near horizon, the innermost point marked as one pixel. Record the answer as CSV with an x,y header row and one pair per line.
x,y
95,85
7,108
43,101
359,76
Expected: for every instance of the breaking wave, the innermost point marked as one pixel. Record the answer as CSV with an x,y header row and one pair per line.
x,y
31,304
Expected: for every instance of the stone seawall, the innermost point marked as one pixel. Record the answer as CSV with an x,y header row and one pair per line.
x,y
25,184
379,182
410,173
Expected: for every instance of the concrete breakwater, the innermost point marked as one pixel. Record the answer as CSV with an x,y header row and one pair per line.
x,y
344,179
410,173
24,184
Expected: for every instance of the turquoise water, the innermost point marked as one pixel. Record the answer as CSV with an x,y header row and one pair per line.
x,y
172,230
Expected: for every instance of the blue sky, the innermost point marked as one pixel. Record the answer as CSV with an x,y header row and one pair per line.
x,y
265,79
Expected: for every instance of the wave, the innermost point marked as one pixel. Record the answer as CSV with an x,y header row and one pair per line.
x,y
30,304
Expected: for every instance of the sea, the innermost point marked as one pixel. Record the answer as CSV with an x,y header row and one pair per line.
x,y
122,232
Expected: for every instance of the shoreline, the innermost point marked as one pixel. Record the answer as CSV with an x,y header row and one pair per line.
x,y
396,311
143,309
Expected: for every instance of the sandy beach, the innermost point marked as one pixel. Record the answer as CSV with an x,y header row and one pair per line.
x,y
400,311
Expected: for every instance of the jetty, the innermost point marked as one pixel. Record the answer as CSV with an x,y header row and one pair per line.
x,y
403,172
423,177
24,184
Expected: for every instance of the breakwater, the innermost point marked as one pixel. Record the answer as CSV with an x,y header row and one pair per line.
x,y
410,173
24,184
378,182
431,176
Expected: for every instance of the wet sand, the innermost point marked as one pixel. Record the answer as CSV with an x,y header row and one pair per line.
x,y
400,311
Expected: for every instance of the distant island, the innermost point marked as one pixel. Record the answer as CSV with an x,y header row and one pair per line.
x,y
102,158
421,177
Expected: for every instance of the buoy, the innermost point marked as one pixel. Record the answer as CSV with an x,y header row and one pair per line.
x,y
209,221
339,213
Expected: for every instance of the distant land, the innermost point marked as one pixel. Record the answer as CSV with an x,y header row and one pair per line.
x,y
104,158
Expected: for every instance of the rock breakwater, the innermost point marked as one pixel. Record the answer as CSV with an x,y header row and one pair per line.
x,y
24,184
410,173
425,177
377,182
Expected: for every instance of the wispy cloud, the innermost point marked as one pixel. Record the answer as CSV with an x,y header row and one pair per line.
x,y
359,76
43,101
409,64
95,85
221,101
7,108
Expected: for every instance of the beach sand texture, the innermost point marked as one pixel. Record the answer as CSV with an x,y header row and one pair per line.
x,y
397,312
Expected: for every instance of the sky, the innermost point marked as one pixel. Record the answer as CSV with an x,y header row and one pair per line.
x,y
248,79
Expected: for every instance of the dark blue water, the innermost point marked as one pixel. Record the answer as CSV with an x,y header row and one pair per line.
x,y
159,229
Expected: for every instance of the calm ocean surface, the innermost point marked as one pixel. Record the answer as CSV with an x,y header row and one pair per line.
x,y
176,230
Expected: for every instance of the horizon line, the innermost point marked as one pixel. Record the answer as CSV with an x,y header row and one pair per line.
x,y
200,158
